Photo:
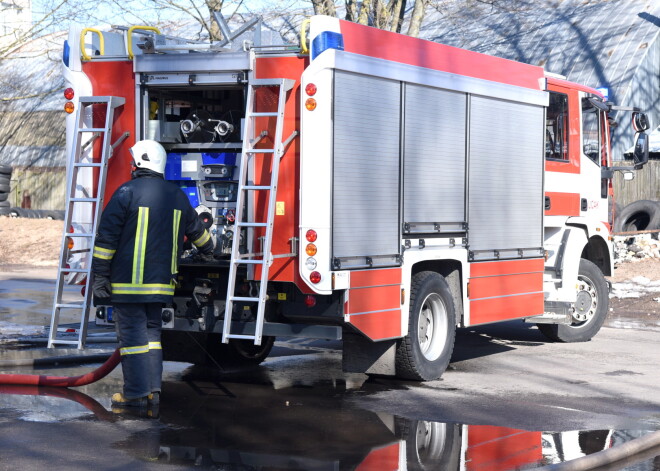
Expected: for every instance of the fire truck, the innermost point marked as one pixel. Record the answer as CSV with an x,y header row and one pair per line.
x,y
364,186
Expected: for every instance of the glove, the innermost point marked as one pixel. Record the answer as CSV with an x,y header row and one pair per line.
x,y
101,289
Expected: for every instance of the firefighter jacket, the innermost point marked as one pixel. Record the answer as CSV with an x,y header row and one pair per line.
x,y
140,238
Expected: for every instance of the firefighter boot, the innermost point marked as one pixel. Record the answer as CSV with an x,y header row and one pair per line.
x,y
119,400
154,398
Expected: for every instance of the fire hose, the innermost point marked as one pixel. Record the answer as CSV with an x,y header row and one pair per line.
x,y
63,381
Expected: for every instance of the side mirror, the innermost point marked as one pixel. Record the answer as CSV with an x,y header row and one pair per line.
x,y
641,151
598,104
640,121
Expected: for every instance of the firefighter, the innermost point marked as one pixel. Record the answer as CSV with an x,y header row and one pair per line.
x,y
136,253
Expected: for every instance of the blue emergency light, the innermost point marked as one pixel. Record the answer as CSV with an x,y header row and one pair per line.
x,y
327,40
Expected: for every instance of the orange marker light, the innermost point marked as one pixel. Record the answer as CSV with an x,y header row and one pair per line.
x,y
69,243
310,250
69,107
310,104
310,89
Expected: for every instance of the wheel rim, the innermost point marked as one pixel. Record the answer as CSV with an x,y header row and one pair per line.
x,y
432,327
586,304
430,441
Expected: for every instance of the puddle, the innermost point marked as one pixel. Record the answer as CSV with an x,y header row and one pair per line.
x,y
256,420
29,302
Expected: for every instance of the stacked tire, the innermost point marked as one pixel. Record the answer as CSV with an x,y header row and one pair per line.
x,y
642,215
5,177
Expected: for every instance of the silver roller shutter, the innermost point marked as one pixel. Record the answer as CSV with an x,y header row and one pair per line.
x,y
434,160
506,178
366,170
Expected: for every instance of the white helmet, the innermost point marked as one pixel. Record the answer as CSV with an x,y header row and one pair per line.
x,y
149,154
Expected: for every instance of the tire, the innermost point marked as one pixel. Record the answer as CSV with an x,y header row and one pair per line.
x,y
207,349
638,216
5,170
430,445
16,212
4,187
424,354
591,308
5,204
4,211
3,195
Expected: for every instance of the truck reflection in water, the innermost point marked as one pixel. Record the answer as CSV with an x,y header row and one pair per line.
x,y
247,422
249,427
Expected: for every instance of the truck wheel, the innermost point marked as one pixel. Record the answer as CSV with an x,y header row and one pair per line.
x,y
590,308
424,354
430,445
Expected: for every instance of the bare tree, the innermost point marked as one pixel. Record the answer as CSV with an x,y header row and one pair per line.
x,y
389,15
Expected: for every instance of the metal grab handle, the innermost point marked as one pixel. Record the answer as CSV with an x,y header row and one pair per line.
x,y
129,40
82,42
303,36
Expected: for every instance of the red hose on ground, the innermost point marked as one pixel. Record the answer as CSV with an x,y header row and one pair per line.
x,y
63,381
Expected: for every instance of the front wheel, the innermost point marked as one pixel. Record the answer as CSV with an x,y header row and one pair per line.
x,y
424,354
590,308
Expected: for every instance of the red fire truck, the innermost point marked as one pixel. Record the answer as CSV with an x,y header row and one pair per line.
x,y
367,186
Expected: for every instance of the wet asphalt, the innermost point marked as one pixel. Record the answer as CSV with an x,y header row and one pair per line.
x,y
510,400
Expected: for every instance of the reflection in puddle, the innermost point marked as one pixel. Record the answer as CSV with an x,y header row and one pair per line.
x,y
244,422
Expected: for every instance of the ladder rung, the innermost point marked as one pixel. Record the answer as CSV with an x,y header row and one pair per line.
x,y
251,224
73,270
243,298
78,234
84,200
255,187
260,151
248,262
87,164
92,130
265,113
65,342
69,306
239,336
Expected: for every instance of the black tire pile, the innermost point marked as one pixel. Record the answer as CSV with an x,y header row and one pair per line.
x,y
5,204
642,215
5,176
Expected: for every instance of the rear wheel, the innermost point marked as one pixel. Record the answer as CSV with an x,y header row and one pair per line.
x,y
425,352
590,308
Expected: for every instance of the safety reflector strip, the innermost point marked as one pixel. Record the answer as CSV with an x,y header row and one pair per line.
x,y
155,346
202,239
134,350
140,244
148,288
175,239
102,253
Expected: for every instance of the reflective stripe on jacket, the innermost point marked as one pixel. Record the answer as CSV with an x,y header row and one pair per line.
x,y
140,239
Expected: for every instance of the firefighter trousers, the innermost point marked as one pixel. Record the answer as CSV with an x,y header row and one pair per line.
x,y
138,332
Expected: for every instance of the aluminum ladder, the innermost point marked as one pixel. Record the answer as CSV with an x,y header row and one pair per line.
x,y
80,162
244,220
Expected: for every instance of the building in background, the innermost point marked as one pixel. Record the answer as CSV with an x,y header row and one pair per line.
x,y
32,127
